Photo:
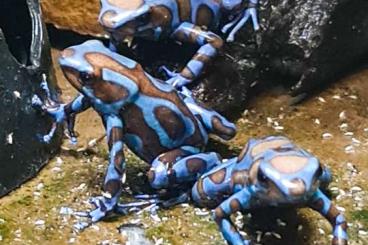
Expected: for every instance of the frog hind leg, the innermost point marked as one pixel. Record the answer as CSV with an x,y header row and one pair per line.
x,y
209,43
213,121
178,167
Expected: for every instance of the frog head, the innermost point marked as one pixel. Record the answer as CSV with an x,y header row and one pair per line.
x,y
124,17
288,177
97,72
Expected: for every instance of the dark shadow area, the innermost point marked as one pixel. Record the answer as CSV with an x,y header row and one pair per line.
x,y
16,24
292,228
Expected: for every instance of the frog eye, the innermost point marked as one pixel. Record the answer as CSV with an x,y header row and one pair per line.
x,y
261,176
143,19
85,76
319,171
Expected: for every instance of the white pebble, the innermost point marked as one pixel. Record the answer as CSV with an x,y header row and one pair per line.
x,y
348,133
16,94
349,149
39,222
322,232
321,99
342,116
9,138
327,136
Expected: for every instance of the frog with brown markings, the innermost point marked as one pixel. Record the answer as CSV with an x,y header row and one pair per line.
x,y
165,128
186,21
268,172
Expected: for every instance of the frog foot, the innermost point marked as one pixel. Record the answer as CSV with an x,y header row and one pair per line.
x,y
175,78
103,207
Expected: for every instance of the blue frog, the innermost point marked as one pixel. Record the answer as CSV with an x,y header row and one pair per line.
x,y
190,21
268,172
165,128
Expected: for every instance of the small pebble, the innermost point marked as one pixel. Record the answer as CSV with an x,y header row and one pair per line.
x,y
327,136
39,222
16,94
342,116
9,139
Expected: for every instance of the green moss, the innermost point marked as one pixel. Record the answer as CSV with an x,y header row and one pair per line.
x,y
25,201
361,216
4,229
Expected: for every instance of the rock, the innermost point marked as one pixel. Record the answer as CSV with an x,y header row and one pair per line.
x,y
25,55
304,44
79,16
134,235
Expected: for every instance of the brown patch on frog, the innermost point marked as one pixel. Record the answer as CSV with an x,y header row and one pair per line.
x,y
253,171
219,214
200,190
134,123
317,204
172,156
116,134
204,16
264,146
235,205
220,129
72,76
170,122
331,216
243,153
126,4
298,187
196,165
202,58
161,16
240,177
151,175
112,187
146,87
109,92
187,73
194,33
184,10
107,19
339,241
288,164
215,41
219,176
119,159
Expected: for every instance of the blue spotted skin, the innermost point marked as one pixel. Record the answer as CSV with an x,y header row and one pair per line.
x,y
187,21
160,125
269,172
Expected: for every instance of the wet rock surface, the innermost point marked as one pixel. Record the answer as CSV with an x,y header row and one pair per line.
x,y
25,55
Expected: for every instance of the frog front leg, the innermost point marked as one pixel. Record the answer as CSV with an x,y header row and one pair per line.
x,y
180,166
242,19
323,205
61,112
210,45
115,175
237,202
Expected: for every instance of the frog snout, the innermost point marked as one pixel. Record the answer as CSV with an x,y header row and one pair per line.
x,y
297,187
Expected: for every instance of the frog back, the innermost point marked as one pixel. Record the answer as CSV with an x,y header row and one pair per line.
x,y
158,120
